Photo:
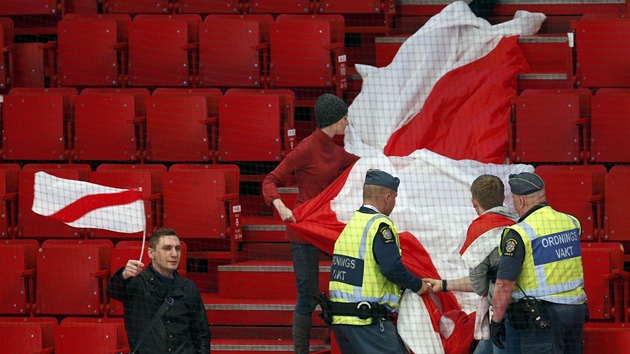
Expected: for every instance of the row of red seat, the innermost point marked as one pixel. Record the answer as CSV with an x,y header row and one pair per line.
x,y
199,201
221,51
66,277
570,126
594,196
169,125
22,335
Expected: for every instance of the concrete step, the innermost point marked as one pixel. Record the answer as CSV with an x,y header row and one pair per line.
x,y
252,312
264,280
261,346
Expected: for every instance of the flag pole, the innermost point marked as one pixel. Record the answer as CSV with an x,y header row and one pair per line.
x,y
144,238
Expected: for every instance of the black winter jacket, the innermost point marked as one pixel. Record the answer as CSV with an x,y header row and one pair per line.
x,y
183,329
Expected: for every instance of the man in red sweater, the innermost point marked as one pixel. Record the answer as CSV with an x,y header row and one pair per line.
x,y
316,162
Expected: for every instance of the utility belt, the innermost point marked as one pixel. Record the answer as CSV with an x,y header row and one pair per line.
x,y
363,310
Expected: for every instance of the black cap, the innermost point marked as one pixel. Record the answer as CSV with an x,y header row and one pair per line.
x,y
383,179
329,109
525,183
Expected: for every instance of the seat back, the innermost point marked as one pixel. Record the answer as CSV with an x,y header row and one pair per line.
x,y
193,203
579,191
281,7
301,47
27,335
105,128
98,329
138,6
19,263
177,130
37,124
157,172
617,192
164,37
245,38
87,53
256,117
550,59
71,275
549,125
30,7
209,6
610,126
602,51
599,260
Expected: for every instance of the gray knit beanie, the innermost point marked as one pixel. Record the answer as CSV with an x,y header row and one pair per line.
x,y
329,109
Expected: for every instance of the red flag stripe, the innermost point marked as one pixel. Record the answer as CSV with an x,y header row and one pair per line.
x,y
84,205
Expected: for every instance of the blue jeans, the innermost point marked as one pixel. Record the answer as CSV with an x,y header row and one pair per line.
x,y
512,343
564,336
306,268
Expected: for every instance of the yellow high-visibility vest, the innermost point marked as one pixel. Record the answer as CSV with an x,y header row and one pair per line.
x,y
552,268
355,276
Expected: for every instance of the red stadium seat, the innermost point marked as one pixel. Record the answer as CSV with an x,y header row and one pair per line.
x,y
130,180
110,125
126,250
30,7
256,125
605,282
71,277
550,59
579,191
606,337
610,126
601,42
18,284
9,177
617,192
6,36
104,335
37,124
181,125
234,50
172,38
31,224
301,50
281,6
386,9
89,50
198,205
210,6
27,64
138,6
157,172
28,335
550,126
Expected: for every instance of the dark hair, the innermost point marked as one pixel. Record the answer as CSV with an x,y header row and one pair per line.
x,y
155,238
489,191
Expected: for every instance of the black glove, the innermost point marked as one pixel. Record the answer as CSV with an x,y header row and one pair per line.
x,y
497,333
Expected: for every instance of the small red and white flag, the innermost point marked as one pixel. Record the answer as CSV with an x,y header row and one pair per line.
x,y
88,205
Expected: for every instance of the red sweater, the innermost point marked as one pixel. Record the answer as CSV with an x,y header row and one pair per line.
x,y
316,161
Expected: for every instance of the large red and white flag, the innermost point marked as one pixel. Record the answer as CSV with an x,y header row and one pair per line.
x,y
436,117
88,205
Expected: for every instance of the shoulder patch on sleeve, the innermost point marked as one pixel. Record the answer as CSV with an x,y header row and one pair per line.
x,y
510,247
386,233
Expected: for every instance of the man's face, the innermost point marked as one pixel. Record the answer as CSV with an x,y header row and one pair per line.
x,y
166,255
340,126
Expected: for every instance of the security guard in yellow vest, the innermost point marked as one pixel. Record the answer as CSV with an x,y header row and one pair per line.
x,y
367,273
540,281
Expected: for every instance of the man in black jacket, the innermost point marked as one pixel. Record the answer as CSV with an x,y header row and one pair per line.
x,y
183,326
